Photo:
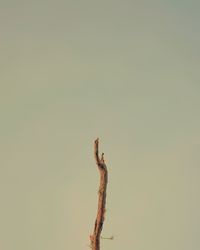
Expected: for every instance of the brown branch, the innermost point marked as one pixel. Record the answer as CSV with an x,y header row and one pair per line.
x,y
95,237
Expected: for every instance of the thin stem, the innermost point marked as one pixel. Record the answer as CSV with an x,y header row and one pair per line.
x,y
95,237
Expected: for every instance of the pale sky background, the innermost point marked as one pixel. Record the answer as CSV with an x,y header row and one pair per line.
x,y
125,71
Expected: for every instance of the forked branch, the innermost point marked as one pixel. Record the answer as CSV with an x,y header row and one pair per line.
x,y
95,237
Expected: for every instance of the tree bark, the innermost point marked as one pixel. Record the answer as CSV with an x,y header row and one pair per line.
x,y
95,237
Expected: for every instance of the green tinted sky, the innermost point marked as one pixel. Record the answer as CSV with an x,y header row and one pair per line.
x,y
124,71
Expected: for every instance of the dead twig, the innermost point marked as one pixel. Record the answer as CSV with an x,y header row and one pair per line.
x,y
95,237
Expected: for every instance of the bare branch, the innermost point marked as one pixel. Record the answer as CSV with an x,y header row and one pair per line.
x,y
95,237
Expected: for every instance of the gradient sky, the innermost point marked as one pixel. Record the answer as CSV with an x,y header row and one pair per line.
x,y
126,72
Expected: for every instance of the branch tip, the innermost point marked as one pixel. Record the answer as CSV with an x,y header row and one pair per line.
x,y
102,157
97,141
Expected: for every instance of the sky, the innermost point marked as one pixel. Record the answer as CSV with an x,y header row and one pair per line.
x,y
126,72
